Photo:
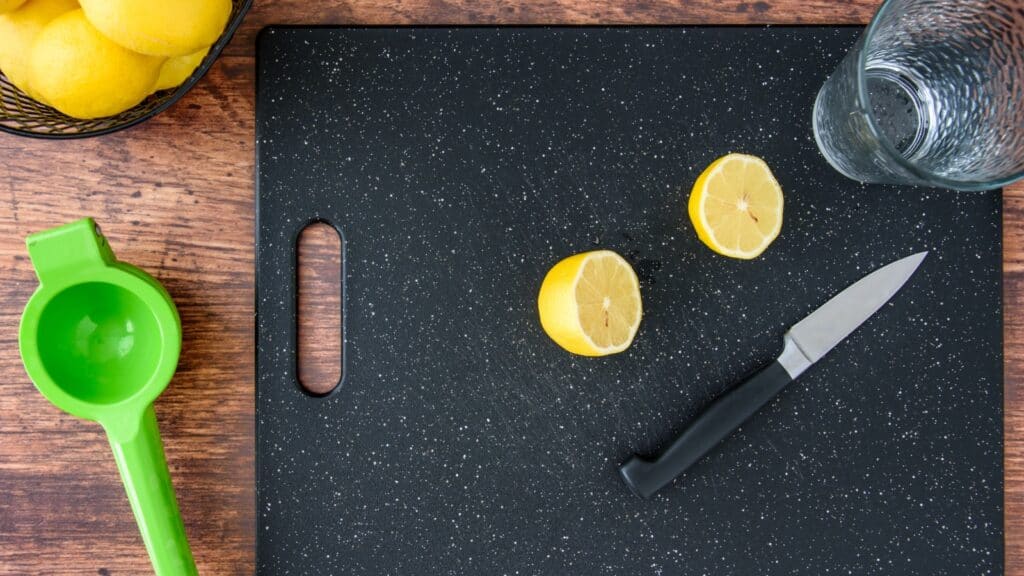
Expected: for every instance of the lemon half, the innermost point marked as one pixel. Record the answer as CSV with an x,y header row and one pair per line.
x,y
736,206
590,303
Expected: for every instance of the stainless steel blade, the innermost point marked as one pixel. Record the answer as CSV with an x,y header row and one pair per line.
x,y
827,326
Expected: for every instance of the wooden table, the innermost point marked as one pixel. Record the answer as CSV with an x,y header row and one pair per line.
x,y
175,196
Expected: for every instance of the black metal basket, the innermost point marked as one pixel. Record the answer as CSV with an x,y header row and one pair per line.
x,y
24,116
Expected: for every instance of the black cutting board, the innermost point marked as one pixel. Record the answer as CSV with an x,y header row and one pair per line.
x,y
459,165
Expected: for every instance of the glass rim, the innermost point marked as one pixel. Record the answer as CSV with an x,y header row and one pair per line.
x,y
887,146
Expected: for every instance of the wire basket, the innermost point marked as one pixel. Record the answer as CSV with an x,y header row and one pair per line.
x,y
22,115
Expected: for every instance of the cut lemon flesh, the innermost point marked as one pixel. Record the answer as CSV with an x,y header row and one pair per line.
x,y
736,206
590,303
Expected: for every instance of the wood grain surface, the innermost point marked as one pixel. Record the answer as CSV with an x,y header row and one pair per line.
x,y
175,196
319,304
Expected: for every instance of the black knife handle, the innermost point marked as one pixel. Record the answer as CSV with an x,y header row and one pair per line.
x,y
724,415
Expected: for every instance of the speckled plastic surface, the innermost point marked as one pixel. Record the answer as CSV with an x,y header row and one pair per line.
x,y
460,164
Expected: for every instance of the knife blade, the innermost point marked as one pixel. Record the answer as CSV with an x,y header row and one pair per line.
x,y
804,343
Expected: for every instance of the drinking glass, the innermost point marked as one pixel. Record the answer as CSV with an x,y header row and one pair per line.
x,y
931,94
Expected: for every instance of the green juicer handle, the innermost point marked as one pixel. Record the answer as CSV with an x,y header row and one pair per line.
x,y
140,459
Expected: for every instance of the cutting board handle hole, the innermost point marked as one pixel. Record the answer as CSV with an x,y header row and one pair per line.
x,y
319,323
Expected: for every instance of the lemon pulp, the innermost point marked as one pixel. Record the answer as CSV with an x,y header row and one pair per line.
x,y
736,206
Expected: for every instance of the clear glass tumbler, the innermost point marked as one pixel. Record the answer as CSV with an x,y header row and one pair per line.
x,y
931,94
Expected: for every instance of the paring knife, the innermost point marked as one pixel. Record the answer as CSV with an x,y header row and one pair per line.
x,y
804,344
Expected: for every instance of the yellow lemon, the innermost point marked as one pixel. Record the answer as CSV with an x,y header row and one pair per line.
x,y
9,5
736,206
166,28
18,30
176,70
82,73
590,303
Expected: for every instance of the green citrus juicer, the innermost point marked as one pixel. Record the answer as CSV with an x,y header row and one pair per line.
x,y
100,339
